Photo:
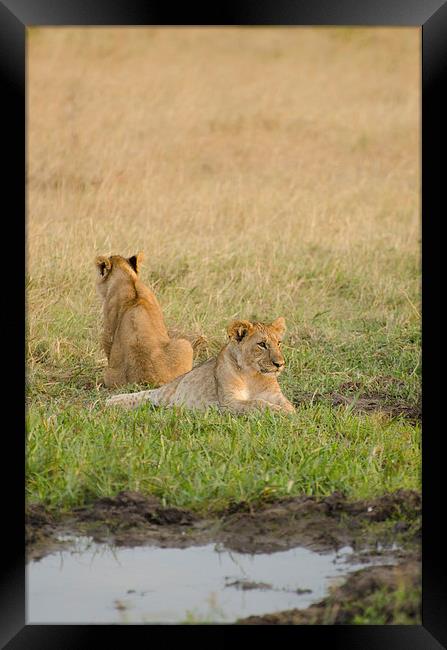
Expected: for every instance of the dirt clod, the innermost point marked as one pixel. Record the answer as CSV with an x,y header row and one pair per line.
x,y
246,585
39,524
132,509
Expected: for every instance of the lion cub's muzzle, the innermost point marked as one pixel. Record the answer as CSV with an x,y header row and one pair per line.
x,y
276,367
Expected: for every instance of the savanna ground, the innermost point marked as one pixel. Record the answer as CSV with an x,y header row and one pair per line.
x,y
263,172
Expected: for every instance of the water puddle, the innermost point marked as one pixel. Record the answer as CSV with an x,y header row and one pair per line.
x,y
99,583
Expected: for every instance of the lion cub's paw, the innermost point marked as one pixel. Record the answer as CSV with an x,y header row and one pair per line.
x,y
282,408
273,407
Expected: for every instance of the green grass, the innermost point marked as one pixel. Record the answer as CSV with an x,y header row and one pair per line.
x,y
401,606
206,461
345,329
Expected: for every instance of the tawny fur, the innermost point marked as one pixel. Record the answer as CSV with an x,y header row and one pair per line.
x,y
135,338
242,378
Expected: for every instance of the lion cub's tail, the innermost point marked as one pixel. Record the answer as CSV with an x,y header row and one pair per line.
x,y
133,400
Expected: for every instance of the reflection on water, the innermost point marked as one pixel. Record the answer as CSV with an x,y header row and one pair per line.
x,y
98,583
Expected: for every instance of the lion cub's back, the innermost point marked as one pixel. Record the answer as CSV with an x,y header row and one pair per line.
x,y
197,388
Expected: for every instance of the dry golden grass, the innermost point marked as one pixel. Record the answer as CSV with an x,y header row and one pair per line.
x,y
263,171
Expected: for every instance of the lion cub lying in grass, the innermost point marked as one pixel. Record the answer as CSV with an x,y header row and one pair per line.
x,y
242,378
135,338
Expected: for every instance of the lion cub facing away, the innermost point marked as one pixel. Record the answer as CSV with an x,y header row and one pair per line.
x,y
135,338
242,378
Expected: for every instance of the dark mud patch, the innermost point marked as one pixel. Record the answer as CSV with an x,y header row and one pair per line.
x,y
370,402
247,585
40,531
392,595
130,509
378,402
320,524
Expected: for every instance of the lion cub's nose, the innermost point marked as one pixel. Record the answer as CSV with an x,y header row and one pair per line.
x,y
278,364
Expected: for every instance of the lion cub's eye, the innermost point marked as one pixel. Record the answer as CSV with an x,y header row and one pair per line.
x,y
262,345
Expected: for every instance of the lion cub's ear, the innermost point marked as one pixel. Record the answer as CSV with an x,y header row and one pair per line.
x,y
238,329
135,261
279,325
104,265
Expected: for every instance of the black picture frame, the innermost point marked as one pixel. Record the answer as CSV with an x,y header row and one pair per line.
x,y
431,17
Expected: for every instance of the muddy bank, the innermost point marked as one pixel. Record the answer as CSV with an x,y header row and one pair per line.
x,y
380,529
320,524
391,594
40,531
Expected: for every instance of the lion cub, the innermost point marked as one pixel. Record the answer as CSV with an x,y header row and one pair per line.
x,y
242,378
135,338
